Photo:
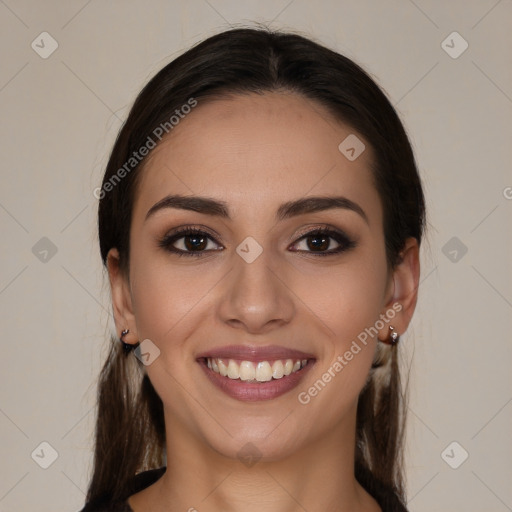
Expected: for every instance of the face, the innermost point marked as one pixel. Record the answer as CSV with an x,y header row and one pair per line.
x,y
257,274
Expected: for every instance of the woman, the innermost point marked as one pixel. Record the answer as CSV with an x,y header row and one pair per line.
x,y
260,220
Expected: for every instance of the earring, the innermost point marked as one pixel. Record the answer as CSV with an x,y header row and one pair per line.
x,y
126,346
393,337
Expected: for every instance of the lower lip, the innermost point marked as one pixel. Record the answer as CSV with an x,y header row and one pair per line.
x,y
255,391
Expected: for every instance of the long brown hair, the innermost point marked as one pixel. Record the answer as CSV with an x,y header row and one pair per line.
x,y
130,434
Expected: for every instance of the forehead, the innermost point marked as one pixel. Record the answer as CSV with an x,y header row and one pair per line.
x,y
257,148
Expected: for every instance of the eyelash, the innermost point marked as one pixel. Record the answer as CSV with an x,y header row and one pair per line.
x,y
345,243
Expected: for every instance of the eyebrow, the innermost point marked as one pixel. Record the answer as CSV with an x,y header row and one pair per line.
x,y
208,206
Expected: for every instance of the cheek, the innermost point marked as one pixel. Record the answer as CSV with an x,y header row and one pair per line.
x,y
351,312
165,296
171,303
347,299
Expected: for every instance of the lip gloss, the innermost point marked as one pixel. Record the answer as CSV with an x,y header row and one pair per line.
x,y
255,391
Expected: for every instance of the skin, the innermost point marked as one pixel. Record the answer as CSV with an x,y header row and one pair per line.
x,y
256,152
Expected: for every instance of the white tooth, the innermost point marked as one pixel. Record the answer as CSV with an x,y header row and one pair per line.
x,y
277,369
223,369
233,370
247,371
263,371
288,367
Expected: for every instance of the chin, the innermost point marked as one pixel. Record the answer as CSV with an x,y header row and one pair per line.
x,y
263,442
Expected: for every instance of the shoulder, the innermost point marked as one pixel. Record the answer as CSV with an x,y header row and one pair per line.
x,y
136,484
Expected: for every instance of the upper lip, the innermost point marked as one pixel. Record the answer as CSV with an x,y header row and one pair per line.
x,y
254,353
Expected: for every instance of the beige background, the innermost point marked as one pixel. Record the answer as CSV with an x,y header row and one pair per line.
x,y
59,119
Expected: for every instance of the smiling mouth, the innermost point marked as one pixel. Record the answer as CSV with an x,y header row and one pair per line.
x,y
255,371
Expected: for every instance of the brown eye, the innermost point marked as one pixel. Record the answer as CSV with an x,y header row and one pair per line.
x,y
188,242
195,242
324,242
318,242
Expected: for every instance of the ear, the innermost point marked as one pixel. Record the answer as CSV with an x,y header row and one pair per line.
x,y
121,298
403,290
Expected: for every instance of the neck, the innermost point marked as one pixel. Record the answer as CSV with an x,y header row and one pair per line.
x,y
319,477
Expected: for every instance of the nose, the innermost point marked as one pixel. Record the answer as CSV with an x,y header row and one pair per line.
x,y
256,297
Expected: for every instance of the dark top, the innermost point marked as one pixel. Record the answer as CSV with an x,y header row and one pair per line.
x,y
146,478
137,484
